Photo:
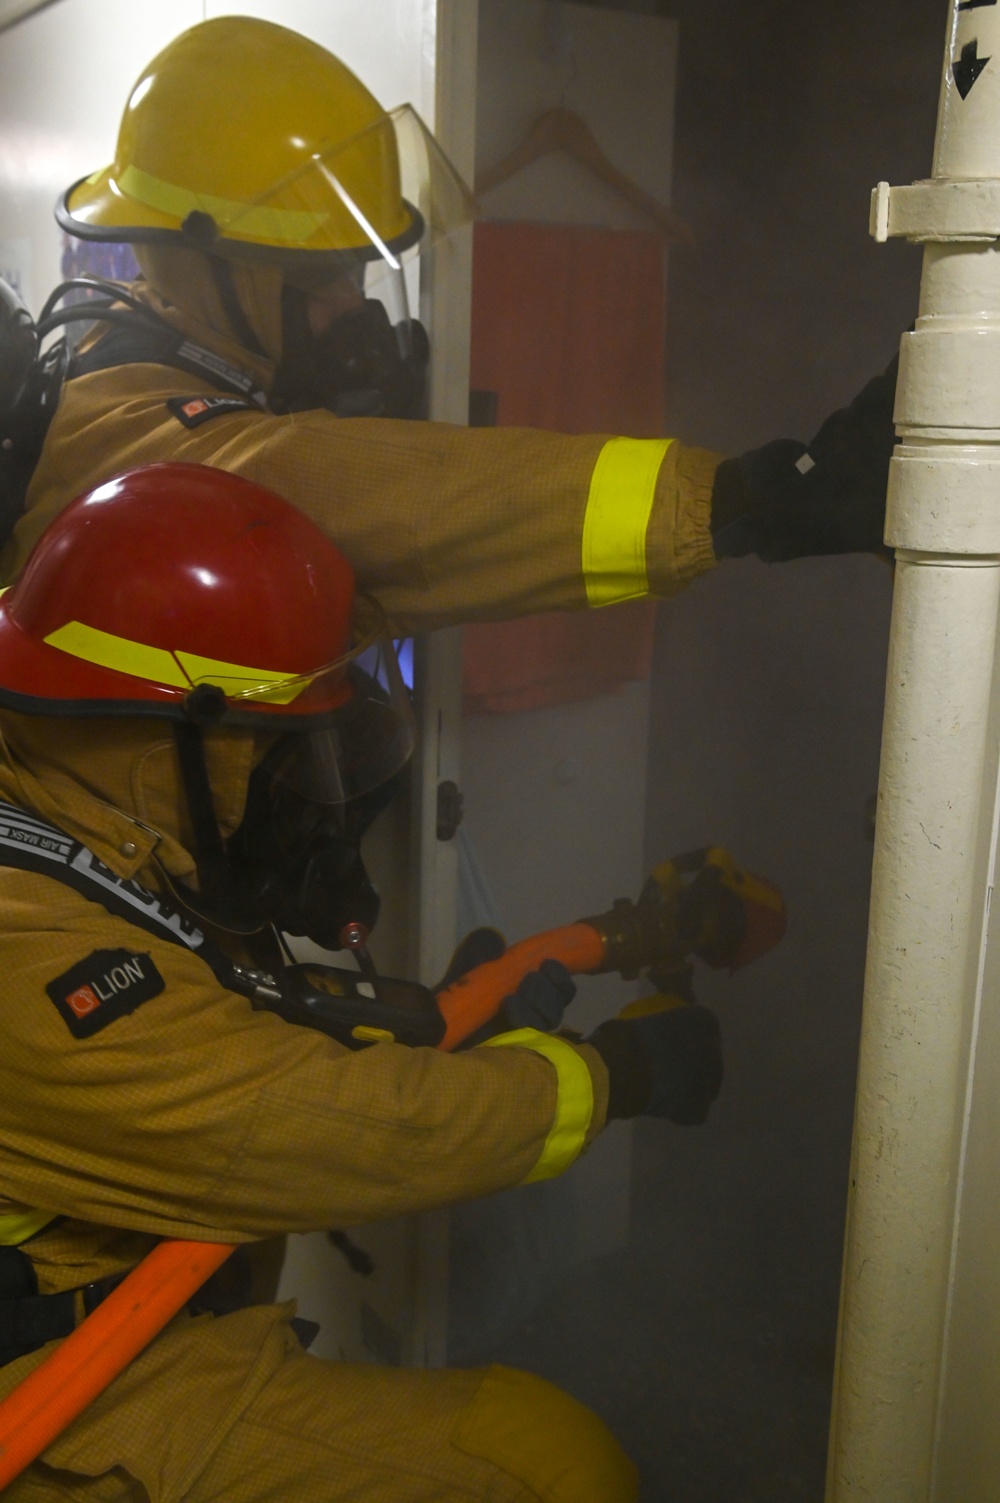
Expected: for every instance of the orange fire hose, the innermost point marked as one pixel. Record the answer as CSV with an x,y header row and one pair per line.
x,y
64,1384
93,1355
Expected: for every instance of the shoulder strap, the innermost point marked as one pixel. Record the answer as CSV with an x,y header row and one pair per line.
x,y
30,844
144,342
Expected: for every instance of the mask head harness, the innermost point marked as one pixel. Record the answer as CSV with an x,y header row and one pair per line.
x,y
149,597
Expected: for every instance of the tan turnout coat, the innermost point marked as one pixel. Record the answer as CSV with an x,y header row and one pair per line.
x,y
195,1116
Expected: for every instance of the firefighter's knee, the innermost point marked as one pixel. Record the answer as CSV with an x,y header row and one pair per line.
x,y
556,1446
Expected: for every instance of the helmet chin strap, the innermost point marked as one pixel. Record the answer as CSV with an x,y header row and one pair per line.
x,y
217,899
225,286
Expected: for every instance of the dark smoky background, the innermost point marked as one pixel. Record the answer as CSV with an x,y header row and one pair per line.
x,y
708,1344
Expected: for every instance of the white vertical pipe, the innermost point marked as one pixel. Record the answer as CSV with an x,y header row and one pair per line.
x,y
914,1042
936,799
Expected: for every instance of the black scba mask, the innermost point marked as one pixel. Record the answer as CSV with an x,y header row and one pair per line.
x,y
294,862
297,862
361,366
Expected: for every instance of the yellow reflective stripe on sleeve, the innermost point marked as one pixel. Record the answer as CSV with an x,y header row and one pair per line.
x,y
20,1225
118,653
622,490
259,221
574,1101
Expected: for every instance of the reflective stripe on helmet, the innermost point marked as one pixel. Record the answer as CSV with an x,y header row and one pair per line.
x,y
574,1100
182,670
622,489
256,221
18,1226
123,656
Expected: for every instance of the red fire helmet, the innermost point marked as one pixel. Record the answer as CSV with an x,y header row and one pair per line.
x,y
172,577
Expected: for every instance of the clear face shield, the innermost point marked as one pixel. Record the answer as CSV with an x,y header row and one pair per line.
x,y
348,227
367,743
357,729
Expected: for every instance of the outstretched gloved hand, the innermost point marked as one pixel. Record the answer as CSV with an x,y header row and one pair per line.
x,y
664,1059
788,500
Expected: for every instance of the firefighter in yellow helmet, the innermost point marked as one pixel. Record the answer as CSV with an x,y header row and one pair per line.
x,y
272,204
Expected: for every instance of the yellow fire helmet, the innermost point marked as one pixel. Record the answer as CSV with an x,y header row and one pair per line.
x,y
247,139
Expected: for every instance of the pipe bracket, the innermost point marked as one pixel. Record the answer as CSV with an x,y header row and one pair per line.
x,y
961,210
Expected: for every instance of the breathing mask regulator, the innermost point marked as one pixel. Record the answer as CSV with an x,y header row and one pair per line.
x,y
361,364
297,854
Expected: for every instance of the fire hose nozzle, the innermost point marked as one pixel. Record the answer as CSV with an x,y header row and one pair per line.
x,y
635,936
701,903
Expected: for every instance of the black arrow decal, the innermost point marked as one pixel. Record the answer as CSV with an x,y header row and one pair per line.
x,y
968,68
975,4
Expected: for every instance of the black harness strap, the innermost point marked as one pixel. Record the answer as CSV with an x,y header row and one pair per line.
x,y
142,342
225,286
29,1319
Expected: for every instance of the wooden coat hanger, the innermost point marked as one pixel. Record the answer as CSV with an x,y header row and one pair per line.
x,y
565,130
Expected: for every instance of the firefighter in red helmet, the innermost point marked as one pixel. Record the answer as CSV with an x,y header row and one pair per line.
x,y
192,700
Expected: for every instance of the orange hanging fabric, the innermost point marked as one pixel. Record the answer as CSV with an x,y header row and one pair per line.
x,y
568,333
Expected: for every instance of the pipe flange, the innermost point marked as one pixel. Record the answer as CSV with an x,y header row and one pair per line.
x,y
966,211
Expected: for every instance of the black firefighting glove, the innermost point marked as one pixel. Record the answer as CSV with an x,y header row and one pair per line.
x,y
788,500
539,1001
478,946
664,1062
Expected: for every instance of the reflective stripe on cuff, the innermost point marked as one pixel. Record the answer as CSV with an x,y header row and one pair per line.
x,y
622,490
574,1101
20,1225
